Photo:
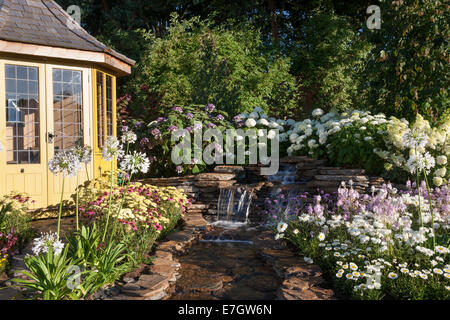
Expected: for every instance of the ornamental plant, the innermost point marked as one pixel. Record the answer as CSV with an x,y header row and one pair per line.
x,y
375,245
158,133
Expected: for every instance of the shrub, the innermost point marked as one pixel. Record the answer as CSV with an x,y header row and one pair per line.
x,y
15,221
197,63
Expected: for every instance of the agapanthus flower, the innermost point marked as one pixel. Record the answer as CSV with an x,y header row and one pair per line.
x,y
419,162
210,107
134,163
414,139
129,137
112,149
84,154
66,163
47,241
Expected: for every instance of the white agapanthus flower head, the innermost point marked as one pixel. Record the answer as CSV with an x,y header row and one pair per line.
x,y
47,241
128,137
414,139
112,149
83,153
419,162
66,163
135,162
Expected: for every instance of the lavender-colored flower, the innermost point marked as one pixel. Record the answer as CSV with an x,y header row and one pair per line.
x,y
156,133
138,124
177,109
220,117
237,118
144,141
210,125
197,126
189,129
160,119
189,115
210,107
179,169
173,128
125,128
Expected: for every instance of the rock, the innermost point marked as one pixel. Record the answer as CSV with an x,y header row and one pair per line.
x,y
131,287
181,236
163,254
343,172
153,282
163,270
340,178
229,169
128,280
208,286
8,293
215,176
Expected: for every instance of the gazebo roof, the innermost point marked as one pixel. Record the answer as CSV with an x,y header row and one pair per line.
x,y
45,23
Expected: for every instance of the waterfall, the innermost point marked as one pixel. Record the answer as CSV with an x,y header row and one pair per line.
x,y
234,204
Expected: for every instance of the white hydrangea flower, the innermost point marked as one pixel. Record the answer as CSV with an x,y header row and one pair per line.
x,y
441,160
250,122
317,112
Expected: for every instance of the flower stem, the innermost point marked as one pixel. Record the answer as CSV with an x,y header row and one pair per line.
x,y
76,204
120,207
431,208
87,172
418,193
60,206
110,200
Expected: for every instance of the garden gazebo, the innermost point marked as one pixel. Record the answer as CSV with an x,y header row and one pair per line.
x,y
57,88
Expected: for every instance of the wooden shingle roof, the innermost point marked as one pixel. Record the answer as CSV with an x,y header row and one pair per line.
x,y
44,22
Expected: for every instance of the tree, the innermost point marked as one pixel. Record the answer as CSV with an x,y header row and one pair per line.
x,y
408,70
327,59
197,63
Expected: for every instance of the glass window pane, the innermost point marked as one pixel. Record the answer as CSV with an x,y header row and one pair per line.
x,y
100,110
22,115
67,110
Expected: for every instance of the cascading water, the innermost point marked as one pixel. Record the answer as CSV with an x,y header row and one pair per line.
x,y
233,204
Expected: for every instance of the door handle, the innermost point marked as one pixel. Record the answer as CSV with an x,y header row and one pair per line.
x,y
51,136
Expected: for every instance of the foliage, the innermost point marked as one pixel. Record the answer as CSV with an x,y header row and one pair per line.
x,y
327,58
198,63
373,246
157,134
48,275
407,72
147,213
14,222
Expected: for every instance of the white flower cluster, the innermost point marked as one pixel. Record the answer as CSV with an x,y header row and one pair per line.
x,y
135,162
67,163
112,149
47,241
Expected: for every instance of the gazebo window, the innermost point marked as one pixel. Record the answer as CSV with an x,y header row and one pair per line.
x,y
22,114
67,108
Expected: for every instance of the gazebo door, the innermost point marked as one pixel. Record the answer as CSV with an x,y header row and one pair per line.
x,y
104,91
68,122
23,163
